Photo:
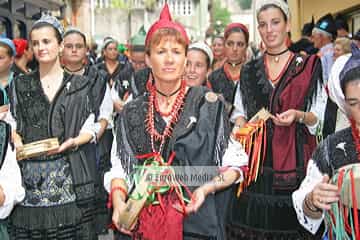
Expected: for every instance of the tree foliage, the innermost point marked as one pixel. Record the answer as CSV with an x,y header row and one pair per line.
x,y
122,4
221,17
244,4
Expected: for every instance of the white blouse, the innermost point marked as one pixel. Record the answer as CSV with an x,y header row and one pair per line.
x,y
10,181
313,177
234,157
317,107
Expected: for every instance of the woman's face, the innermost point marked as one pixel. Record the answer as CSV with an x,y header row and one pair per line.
x,y
167,60
218,47
111,52
74,49
352,98
235,47
5,60
273,28
338,51
196,68
45,44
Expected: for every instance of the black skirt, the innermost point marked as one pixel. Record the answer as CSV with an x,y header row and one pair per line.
x,y
56,223
262,212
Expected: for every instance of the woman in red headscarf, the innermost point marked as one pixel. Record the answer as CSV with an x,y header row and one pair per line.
x,y
24,55
184,126
224,79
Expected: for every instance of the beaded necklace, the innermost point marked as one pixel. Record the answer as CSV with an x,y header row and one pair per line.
x,y
173,116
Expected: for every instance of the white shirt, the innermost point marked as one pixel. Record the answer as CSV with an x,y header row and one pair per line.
x,y
317,107
105,111
313,177
234,158
10,181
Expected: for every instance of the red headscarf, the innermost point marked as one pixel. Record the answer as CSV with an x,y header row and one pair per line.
x,y
165,21
20,45
237,25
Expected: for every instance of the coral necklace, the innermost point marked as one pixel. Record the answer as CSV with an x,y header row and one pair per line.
x,y
173,116
356,136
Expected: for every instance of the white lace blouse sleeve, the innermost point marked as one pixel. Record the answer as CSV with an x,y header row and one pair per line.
x,y
10,181
90,127
238,110
106,107
116,170
313,177
114,95
318,108
235,157
8,117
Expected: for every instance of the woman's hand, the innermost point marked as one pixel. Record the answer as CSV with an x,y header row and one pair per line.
x,y
197,200
119,105
68,144
286,118
16,139
118,209
324,194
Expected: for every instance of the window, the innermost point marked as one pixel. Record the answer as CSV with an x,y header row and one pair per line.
x,y
179,7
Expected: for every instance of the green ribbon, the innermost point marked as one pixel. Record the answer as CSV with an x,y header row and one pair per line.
x,y
158,165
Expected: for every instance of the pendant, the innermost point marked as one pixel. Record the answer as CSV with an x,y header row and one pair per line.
x,y
277,59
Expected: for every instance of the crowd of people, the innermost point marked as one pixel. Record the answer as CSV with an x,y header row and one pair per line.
x,y
168,101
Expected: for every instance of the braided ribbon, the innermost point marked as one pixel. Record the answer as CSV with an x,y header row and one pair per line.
x,y
342,220
155,190
253,138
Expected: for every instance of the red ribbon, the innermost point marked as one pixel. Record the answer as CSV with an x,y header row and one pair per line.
x,y
354,207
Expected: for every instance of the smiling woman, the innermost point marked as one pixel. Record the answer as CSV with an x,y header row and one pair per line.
x,y
198,64
290,86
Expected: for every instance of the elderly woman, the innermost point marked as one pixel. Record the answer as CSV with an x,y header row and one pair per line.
x,y
45,104
198,64
289,86
316,194
341,47
187,125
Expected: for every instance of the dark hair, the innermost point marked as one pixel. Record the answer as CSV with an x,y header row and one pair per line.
x,y
74,31
267,6
340,23
238,29
45,24
350,76
108,41
137,48
218,36
206,55
8,49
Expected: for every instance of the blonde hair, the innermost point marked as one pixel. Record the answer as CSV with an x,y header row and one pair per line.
x,y
345,44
